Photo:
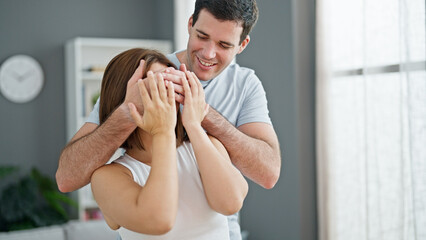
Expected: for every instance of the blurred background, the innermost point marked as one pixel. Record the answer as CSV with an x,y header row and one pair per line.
x,y
346,89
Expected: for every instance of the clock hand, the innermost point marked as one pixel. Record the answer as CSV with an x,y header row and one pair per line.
x,y
27,73
15,74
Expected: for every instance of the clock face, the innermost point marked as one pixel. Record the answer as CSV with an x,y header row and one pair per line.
x,y
21,78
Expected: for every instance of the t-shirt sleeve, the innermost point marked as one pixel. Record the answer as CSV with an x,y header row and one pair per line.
x,y
255,104
94,115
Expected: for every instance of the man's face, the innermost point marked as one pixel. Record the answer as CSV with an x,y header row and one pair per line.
x,y
212,45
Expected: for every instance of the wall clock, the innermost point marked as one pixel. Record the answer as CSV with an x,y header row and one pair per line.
x,y
21,78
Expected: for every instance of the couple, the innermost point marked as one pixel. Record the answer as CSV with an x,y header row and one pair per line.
x,y
237,115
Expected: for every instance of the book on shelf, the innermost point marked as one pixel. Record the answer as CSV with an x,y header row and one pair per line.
x,y
94,68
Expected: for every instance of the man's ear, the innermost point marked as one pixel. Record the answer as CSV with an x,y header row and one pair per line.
x,y
244,44
190,23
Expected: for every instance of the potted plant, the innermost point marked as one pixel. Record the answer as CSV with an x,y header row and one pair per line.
x,y
31,201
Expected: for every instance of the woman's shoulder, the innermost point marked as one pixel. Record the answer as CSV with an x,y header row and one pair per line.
x,y
111,169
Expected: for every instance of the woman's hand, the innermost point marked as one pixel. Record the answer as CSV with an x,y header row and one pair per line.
x,y
195,107
159,106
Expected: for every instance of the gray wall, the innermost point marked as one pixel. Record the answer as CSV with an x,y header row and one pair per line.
x,y
33,134
281,51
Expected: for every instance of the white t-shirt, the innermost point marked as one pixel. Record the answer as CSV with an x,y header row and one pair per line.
x,y
195,219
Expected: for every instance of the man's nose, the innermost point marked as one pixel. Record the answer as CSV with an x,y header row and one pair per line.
x,y
209,51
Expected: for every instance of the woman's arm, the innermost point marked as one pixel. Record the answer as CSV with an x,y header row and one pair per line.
x,y
224,186
150,209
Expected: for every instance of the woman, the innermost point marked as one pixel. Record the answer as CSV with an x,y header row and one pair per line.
x,y
164,187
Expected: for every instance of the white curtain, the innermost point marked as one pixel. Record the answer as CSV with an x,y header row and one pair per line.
x,y
183,9
371,119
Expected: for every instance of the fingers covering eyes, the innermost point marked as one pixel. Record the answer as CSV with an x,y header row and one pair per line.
x,y
161,87
186,88
153,86
170,93
144,93
192,83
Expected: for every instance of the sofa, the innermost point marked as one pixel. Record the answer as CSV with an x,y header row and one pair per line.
x,y
73,230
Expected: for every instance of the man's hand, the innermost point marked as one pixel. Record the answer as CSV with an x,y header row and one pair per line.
x,y
132,92
176,76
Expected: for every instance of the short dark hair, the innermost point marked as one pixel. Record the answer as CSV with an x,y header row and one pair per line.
x,y
114,86
241,11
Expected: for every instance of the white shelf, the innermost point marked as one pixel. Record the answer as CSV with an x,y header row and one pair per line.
x,y
81,85
92,76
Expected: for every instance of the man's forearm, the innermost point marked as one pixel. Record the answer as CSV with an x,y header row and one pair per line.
x,y
258,159
82,156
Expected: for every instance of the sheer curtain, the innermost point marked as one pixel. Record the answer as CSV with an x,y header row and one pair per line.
x,y
183,10
371,119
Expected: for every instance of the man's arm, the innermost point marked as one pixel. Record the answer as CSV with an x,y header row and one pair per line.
x,y
90,148
253,147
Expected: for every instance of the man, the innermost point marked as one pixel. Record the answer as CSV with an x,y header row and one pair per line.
x,y
238,115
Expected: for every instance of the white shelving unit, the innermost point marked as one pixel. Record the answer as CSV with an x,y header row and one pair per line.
x,y
83,85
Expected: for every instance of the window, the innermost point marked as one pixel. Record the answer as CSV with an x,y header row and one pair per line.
x,y
371,122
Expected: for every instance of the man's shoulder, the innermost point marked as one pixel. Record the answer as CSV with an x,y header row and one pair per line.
x,y
235,68
173,58
236,73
